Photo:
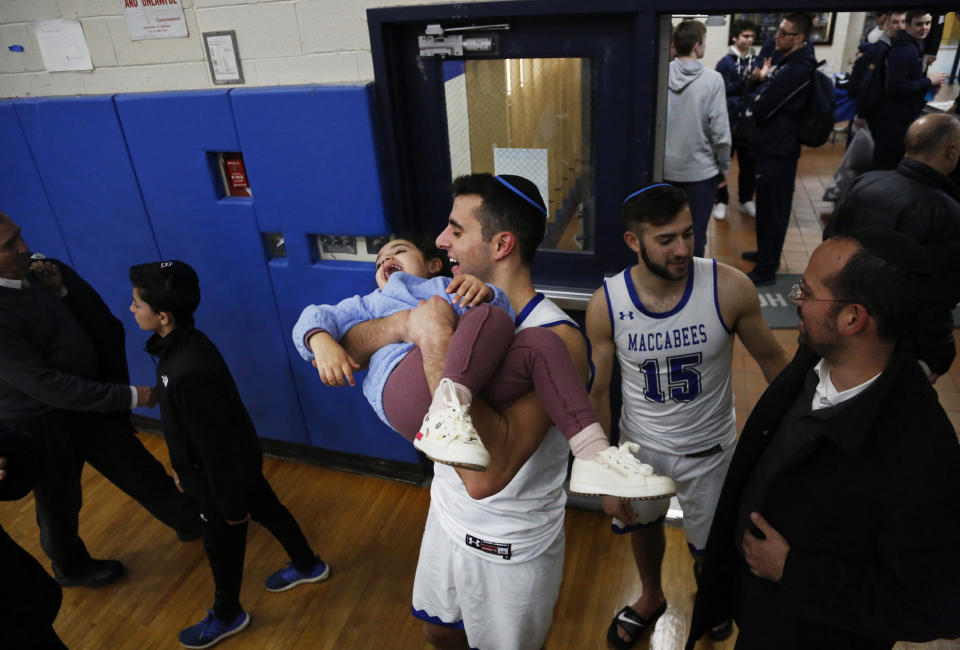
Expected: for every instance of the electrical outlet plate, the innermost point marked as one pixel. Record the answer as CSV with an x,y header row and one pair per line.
x,y
274,244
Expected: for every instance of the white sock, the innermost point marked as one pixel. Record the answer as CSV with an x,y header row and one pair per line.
x,y
589,442
442,395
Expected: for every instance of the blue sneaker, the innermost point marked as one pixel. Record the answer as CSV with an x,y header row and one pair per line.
x,y
212,630
289,577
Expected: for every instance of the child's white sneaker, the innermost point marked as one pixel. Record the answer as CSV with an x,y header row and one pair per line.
x,y
617,472
750,208
720,211
447,435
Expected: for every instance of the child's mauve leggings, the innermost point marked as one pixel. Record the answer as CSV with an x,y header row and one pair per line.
x,y
488,358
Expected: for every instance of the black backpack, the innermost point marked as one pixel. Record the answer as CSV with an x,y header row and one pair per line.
x,y
866,78
818,120
855,80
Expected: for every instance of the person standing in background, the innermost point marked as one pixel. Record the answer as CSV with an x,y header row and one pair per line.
x,y
736,68
698,130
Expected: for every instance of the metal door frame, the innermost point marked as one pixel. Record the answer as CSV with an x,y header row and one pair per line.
x,y
416,183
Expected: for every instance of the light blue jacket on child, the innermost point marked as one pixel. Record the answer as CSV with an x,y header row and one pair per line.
x,y
402,291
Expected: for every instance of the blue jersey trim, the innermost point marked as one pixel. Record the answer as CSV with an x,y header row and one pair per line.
x,y
530,306
423,616
606,294
632,291
716,297
576,326
593,368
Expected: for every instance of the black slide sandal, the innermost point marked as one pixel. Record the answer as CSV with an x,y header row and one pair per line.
x,y
633,624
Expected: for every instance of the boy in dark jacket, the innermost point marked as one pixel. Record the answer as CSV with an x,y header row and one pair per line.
x,y
736,68
906,85
214,448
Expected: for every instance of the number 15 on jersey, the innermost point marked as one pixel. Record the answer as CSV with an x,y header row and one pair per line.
x,y
683,378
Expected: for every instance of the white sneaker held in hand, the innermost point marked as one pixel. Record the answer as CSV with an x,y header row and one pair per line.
x,y
617,472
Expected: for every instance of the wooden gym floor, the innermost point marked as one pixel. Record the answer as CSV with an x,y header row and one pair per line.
x,y
369,531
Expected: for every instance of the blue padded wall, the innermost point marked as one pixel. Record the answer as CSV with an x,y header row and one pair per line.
x,y
22,194
93,192
169,136
106,182
310,156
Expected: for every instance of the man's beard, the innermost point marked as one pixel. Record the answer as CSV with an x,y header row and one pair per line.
x,y
824,349
660,270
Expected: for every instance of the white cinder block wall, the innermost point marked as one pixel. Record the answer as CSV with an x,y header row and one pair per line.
x,y
280,42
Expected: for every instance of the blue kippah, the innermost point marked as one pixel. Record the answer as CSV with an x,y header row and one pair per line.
x,y
649,187
523,196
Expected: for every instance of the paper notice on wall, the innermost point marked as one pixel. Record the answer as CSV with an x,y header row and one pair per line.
x,y
154,19
62,45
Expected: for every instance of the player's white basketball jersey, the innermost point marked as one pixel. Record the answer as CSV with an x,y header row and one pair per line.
x,y
675,366
522,520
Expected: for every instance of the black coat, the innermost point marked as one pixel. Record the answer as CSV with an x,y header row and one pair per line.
x,y
735,70
870,512
30,598
779,107
107,335
905,84
914,199
60,354
924,205
212,441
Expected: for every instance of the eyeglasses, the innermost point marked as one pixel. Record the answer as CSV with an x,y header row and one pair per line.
x,y
798,294
780,32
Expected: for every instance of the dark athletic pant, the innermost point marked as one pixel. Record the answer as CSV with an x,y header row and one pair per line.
x,y
226,544
775,180
888,147
700,195
746,171
106,442
488,358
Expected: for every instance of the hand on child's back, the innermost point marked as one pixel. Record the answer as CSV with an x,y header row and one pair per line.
x,y
469,290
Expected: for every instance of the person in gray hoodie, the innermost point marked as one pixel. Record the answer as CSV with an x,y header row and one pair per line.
x,y
698,129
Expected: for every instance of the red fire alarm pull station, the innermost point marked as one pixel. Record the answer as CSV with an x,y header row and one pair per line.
x,y
236,175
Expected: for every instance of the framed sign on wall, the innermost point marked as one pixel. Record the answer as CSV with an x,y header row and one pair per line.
x,y
223,57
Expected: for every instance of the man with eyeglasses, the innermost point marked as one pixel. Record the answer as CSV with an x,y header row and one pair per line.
x,y
837,525
778,109
64,381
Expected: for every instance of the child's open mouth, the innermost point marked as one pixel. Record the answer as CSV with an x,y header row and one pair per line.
x,y
390,269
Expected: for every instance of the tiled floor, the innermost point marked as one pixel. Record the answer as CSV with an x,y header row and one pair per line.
x,y
728,238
